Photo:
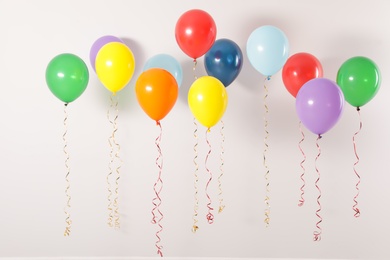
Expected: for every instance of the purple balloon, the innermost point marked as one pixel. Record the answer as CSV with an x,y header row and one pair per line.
x,y
98,44
319,105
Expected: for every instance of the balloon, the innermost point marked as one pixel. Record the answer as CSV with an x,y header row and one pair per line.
x,y
207,99
319,105
167,62
299,69
98,44
115,66
195,32
67,77
157,91
267,49
359,78
224,61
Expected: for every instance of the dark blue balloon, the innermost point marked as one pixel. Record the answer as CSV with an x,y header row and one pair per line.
x,y
224,61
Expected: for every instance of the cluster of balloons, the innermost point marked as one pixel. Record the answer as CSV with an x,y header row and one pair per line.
x,y
195,33
113,61
319,101
157,86
67,75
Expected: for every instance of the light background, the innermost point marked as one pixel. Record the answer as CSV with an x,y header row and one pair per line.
x,y
32,162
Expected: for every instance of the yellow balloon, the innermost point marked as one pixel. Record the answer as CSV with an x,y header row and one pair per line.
x,y
115,66
207,99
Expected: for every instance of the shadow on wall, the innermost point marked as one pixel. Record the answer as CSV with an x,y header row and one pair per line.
x,y
128,93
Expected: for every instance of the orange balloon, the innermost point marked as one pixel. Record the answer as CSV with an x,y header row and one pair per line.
x,y
156,90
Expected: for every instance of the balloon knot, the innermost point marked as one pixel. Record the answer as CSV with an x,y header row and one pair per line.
x,y
268,77
158,123
319,136
66,104
208,130
358,108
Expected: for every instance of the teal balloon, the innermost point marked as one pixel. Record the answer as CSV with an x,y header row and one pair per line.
x,y
67,77
267,49
168,63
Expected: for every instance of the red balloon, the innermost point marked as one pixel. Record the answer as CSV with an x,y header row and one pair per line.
x,y
299,69
195,32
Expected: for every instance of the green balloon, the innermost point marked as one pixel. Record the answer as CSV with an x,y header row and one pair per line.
x,y
359,78
67,77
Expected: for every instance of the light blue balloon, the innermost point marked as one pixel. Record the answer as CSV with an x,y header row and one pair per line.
x,y
267,49
168,63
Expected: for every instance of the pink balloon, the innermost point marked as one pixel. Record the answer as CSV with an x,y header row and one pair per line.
x,y
319,105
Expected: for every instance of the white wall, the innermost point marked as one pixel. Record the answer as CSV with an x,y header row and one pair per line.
x,y
32,162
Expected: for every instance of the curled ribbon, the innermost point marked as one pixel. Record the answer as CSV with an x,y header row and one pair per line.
x,y
209,216
221,205
194,69
157,215
113,194
318,232
267,189
196,205
354,207
68,220
302,200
